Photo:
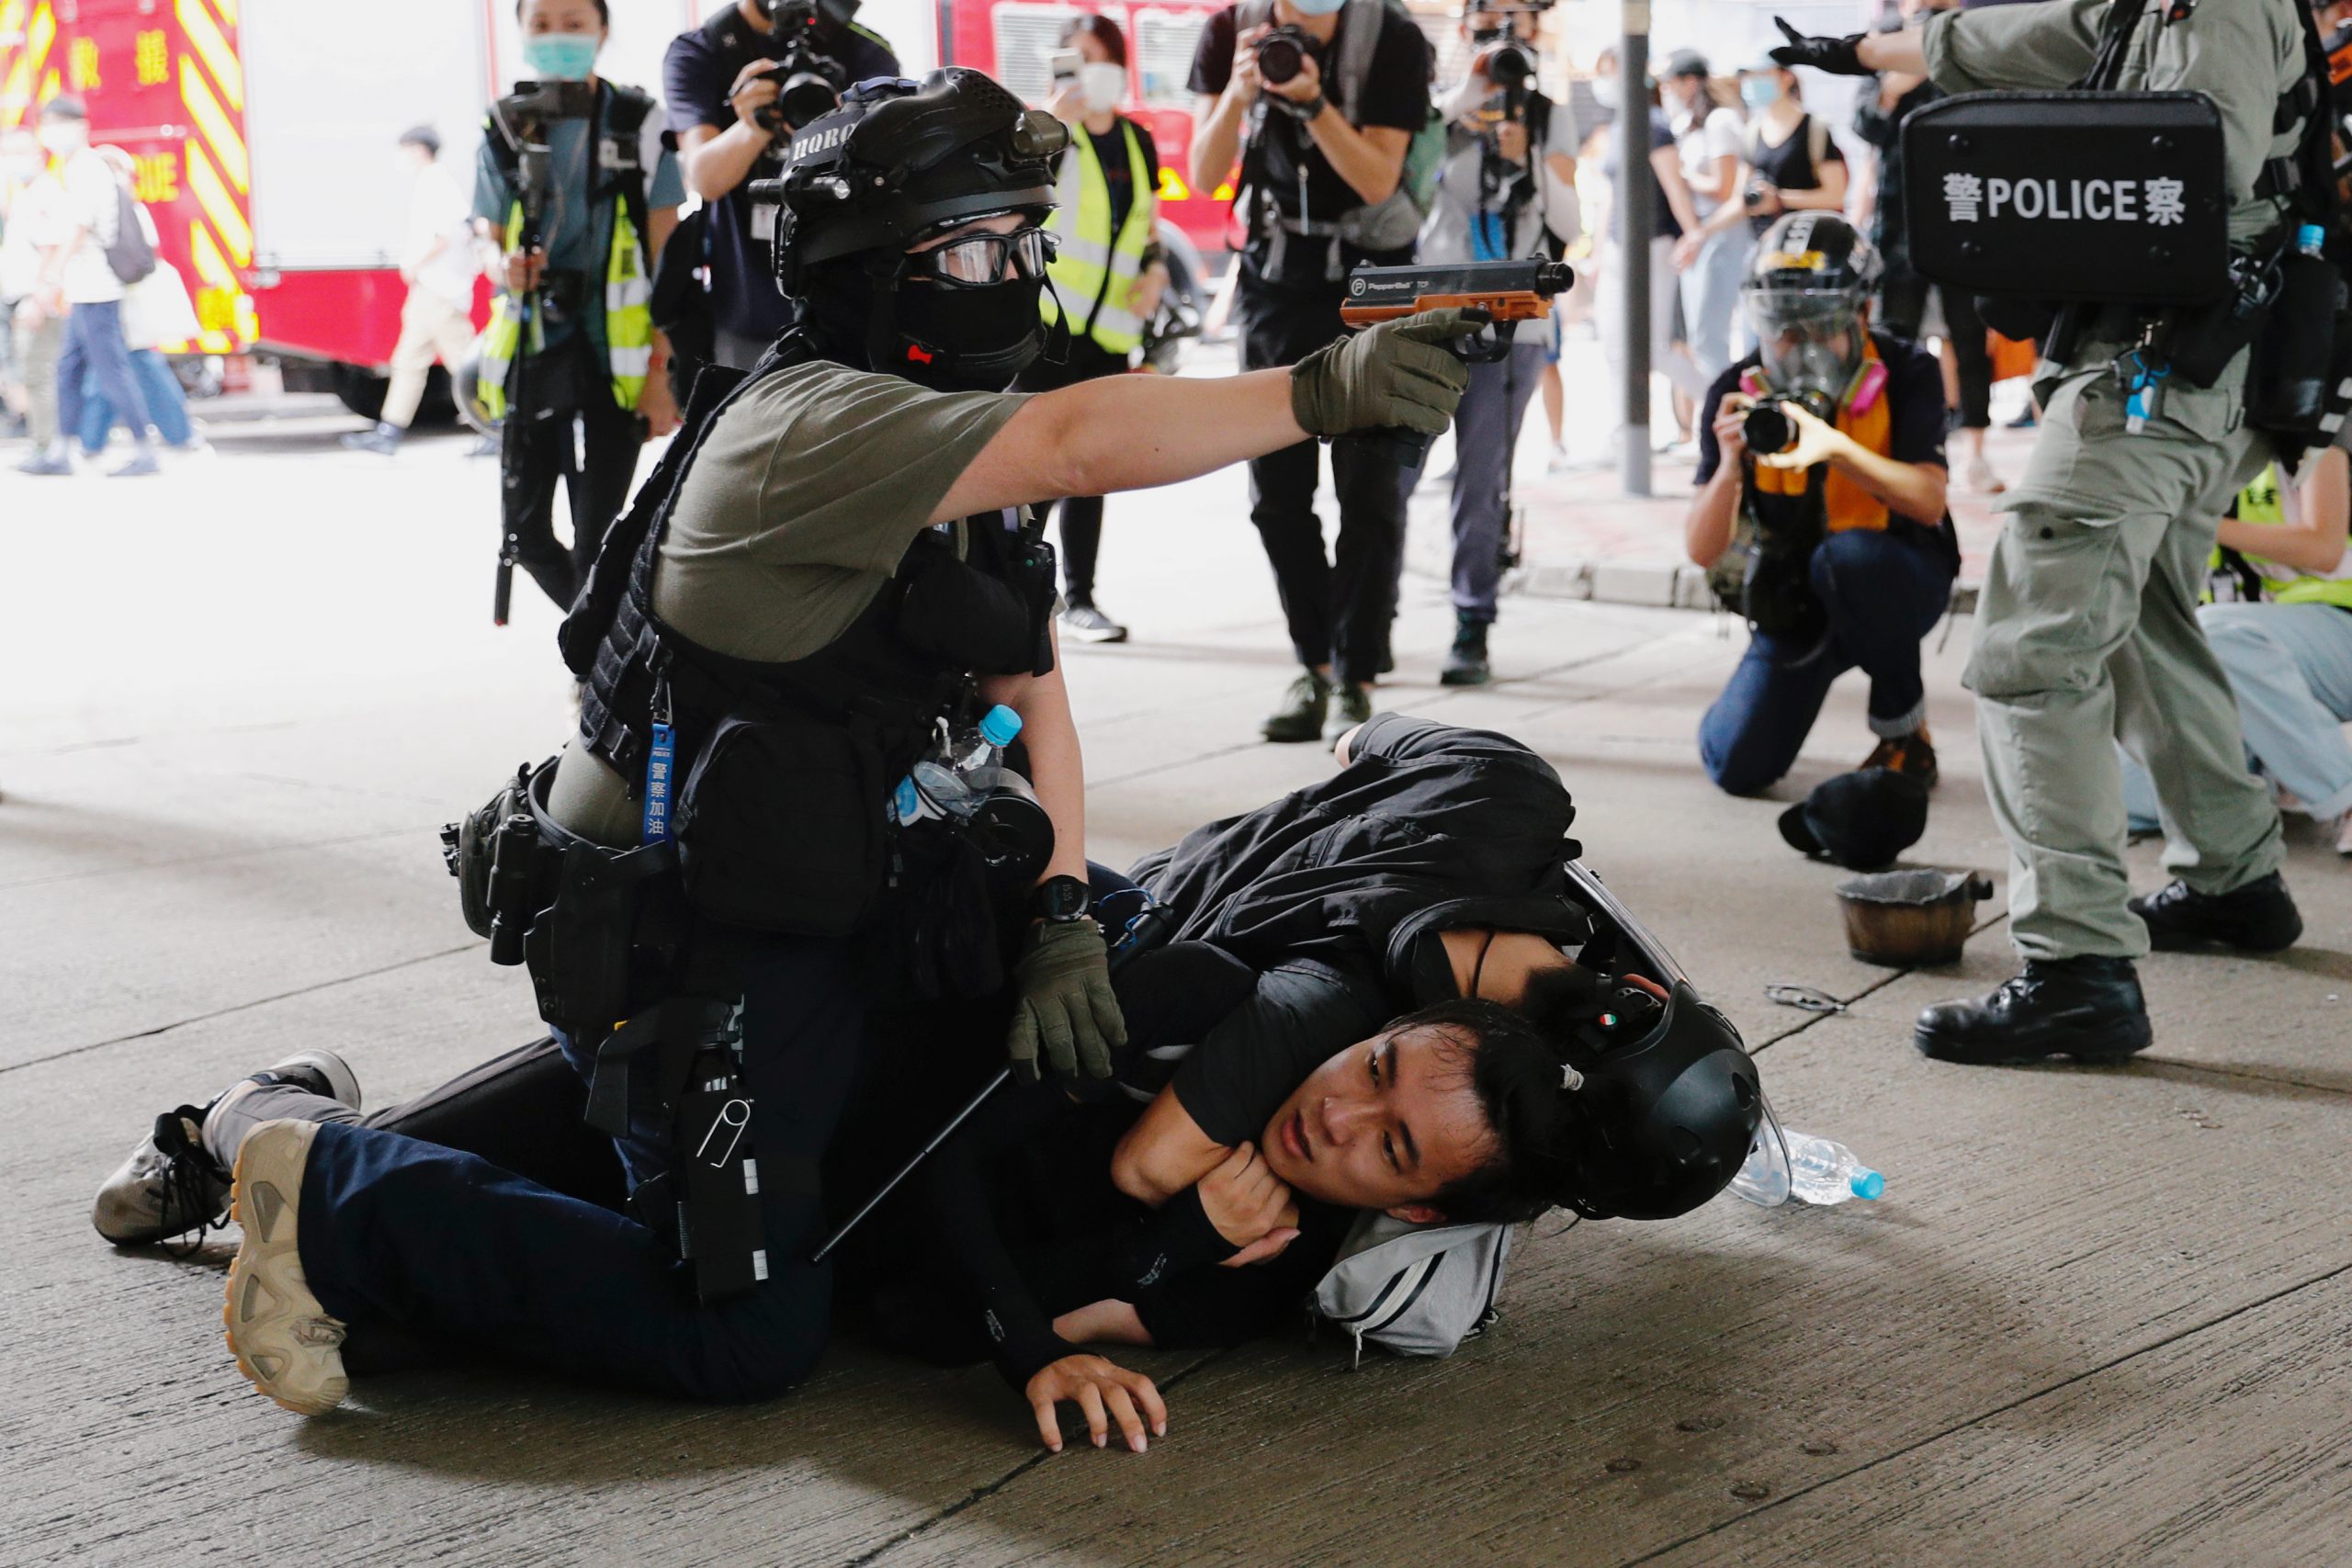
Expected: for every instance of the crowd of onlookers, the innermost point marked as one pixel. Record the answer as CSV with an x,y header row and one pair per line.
x,y
88,304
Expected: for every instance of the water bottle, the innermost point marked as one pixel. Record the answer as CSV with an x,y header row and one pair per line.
x,y
959,774
2310,240
1820,1171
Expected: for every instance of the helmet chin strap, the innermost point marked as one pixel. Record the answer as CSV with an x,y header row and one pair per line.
x,y
1059,337
882,269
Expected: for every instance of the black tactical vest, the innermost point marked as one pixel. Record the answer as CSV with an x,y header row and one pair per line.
x,y
782,771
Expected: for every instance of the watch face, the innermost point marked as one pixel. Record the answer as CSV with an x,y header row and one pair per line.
x,y
1063,899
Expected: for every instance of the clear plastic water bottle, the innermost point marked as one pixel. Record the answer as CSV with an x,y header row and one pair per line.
x,y
959,774
2310,240
1818,1171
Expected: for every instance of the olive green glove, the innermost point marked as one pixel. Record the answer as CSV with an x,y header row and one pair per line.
x,y
1397,373
1067,1005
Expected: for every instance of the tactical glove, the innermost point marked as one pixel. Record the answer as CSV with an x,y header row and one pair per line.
x,y
1398,373
1067,1005
1838,56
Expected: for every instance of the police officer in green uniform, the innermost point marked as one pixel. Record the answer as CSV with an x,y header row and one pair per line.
x,y
2087,623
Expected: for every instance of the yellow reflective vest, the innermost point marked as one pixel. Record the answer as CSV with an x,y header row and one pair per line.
x,y
1095,269
2259,502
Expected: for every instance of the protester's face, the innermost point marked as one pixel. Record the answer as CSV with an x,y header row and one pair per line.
x,y
1387,1123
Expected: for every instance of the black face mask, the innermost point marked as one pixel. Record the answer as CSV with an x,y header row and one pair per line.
x,y
968,340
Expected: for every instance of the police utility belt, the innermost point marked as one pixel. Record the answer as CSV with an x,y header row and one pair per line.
x,y
2092,216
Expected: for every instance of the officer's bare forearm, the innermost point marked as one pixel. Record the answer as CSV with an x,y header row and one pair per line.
x,y
1216,141
1125,433
1706,527
1371,161
1901,52
1914,490
716,160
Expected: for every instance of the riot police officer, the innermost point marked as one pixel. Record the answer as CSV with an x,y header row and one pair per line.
x,y
2087,626
827,567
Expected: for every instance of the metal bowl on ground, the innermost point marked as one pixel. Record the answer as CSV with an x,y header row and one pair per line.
x,y
1905,918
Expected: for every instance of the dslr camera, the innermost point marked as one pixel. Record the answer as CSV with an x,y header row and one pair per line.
x,y
1281,54
810,81
1767,427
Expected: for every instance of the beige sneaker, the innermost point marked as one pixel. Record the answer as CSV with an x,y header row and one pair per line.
x,y
1981,478
284,1341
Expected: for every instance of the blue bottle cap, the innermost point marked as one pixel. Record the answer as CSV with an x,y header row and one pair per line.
x,y
1000,726
1866,1184
2310,237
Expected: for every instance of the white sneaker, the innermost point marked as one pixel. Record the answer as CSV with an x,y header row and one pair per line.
x,y
284,1341
170,1185
1982,479
2344,835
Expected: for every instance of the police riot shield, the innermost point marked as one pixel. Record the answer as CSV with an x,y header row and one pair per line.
x,y
2112,197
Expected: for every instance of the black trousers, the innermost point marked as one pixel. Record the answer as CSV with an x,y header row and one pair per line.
x,y
1081,515
1338,607
593,448
1903,302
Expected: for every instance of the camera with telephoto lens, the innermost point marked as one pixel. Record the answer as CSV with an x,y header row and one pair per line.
x,y
1509,66
539,104
809,80
1281,54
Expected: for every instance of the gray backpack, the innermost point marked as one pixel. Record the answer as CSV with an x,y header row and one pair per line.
x,y
1414,1290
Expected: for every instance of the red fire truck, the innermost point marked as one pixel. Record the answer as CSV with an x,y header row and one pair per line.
x,y
263,130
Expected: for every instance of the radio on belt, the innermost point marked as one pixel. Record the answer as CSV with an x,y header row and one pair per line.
x,y
2121,197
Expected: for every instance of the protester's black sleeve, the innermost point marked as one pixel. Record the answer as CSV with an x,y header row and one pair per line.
x,y
1238,1076
1914,404
1401,737
1711,452
1211,1308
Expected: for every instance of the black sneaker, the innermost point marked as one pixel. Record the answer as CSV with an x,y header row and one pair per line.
x,y
1466,661
2258,918
169,1185
2089,1009
1351,706
1088,624
1301,716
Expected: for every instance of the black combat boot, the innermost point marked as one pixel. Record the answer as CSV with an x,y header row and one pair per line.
x,y
1466,661
2258,918
1304,707
2089,1009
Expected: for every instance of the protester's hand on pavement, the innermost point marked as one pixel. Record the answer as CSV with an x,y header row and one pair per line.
x,y
1066,1008
1397,373
1250,1206
1105,1391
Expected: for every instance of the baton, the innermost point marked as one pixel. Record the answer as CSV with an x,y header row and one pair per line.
x,y
1146,931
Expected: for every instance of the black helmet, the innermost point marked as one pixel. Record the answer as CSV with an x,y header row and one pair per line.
x,y
899,158
897,162
1670,1098
1806,285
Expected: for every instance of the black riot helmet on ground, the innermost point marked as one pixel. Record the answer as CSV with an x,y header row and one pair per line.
x,y
898,164
1807,292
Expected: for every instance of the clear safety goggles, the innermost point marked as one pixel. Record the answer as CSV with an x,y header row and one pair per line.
x,y
975,261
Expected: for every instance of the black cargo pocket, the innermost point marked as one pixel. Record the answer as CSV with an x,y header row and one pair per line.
x,y
781,826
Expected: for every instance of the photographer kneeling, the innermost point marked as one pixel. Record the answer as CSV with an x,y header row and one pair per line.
x,y
828,570
1845,553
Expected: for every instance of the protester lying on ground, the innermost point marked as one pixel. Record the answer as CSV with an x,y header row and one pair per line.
x,y
2280,622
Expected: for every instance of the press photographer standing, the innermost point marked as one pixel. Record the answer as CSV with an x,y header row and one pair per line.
x,y
722,88
574,328
1509,149
1321,100
2087,628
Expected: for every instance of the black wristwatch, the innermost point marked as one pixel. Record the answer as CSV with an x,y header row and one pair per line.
x,y
1308,112
1062,900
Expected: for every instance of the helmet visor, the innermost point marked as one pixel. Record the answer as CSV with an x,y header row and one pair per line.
x,y
1810,339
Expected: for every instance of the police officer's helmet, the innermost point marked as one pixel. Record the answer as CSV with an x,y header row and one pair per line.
x,y
900,159
1805,288
1667,1109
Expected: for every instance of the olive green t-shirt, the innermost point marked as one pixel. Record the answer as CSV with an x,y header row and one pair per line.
x,y
804,495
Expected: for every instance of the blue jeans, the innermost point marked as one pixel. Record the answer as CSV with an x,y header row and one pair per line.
x,y
1884,593
2290,666
1711,297
1486,437
166,403
94,347
409,1243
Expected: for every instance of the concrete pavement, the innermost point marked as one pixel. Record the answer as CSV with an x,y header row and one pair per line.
x,y
2100,1317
